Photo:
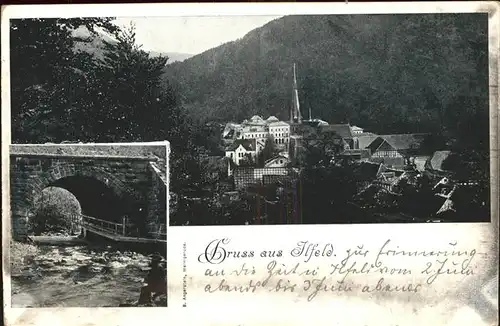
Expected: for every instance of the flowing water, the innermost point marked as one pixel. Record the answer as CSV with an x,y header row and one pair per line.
x,y
80,276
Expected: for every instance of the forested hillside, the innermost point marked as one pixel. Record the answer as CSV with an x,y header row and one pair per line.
x,y
387,73
87,80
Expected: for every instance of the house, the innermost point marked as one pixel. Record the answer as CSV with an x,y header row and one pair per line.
x,y
356,154
344,131
278,161
230,130
435,163
254,132
272,119
256,120
366,139
280,131
241,149
443,187
260,144
245,176
393,149
315,123
356,130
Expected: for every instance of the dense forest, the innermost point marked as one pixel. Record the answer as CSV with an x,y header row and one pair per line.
x,y
386,73
99,86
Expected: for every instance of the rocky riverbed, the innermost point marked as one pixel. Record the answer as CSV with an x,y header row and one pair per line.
x,y
77,276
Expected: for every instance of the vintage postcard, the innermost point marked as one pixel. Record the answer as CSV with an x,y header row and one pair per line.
x,y
251,164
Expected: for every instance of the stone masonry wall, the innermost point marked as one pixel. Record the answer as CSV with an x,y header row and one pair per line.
x,y
31,174
158,149
157,200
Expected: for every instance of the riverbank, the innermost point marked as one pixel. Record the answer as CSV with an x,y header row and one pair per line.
x,y
76,276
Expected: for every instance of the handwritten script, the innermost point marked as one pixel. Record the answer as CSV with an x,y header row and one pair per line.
x,y
314,268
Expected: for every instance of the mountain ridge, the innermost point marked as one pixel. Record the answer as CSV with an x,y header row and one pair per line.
x,y
94,44
384,72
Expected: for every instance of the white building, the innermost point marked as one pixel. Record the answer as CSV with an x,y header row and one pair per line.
x,y
255,121
258,130
272,119
241,149
356,130
254,132
278,161
280,131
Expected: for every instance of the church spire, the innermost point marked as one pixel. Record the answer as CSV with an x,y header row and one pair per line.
x,y
296,116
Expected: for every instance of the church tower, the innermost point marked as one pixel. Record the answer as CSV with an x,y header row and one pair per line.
x,y
295,116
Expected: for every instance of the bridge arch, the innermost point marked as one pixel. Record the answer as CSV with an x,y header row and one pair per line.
x,y
122,199
51,176
126,171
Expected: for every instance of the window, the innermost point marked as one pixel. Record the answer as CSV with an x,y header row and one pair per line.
x,y
281,161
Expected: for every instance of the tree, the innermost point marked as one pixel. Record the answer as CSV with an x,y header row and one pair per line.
x,y
321,148
268,152
327,187
54,211
248,160
45,68
129,103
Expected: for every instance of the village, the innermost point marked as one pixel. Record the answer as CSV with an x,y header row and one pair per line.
x,y
390,178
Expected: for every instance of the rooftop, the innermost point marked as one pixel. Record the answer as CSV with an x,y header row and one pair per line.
x,y
254,129
276,157
279,124
248,144
343,130
437,160
398,141
365,139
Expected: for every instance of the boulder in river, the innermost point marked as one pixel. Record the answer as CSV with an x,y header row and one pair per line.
x,y
46,264
101,260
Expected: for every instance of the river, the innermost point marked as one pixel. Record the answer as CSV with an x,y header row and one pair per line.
x,y
78,276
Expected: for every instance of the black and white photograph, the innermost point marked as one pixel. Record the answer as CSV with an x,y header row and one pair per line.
x,y
298,119
355,145
326,119
317,119
88,225
88,166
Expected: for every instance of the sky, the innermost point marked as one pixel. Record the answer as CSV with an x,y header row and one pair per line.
x,y
191,35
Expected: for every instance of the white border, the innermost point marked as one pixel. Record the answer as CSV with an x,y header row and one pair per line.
x,y
94,316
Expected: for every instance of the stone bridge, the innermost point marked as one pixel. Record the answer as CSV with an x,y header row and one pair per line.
x,y
112,182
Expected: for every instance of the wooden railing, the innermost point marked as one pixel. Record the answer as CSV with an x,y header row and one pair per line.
x,y
123,229
106,226
160,232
